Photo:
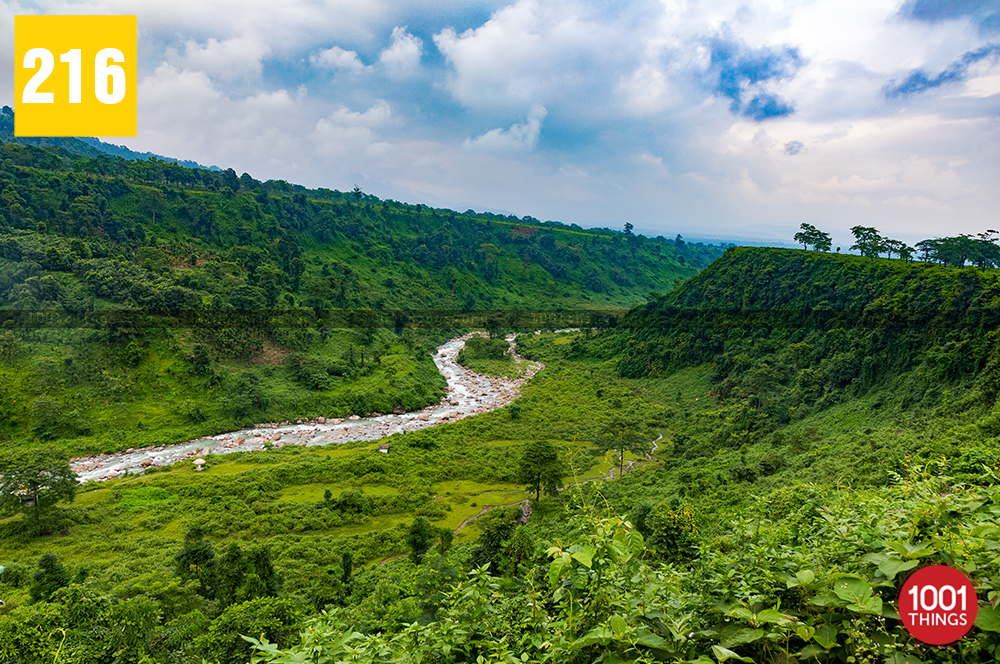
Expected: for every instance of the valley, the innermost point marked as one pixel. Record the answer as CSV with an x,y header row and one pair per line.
x,y
817,425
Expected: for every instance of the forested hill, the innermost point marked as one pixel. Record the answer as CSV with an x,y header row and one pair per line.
x,y
790,333
227,290
325,248
859,318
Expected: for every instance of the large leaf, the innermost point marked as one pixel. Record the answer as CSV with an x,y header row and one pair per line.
x,y
773,616
745,636
893,566
811,651
988,618
724,654
599,635
584,554
618,626
826,635
646,638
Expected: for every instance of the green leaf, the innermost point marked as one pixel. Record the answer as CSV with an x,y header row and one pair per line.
x,y
988,618
741,612
723,654
894,566
618,626
826,599
773,616
810,652
584,554
852,589
826,635
869,605
646,638
919,549
805,577
556,570
599,635
746,636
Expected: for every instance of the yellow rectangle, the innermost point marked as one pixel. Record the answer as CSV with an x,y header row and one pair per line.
x,y
84,53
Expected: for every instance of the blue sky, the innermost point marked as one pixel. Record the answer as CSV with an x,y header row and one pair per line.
x,y
714,118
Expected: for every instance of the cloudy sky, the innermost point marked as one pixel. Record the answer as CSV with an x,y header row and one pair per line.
x,y
714,118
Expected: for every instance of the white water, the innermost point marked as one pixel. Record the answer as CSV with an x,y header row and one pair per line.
x,y
467,394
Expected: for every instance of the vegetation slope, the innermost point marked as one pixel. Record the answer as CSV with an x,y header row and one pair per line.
x,y
144,303
828,426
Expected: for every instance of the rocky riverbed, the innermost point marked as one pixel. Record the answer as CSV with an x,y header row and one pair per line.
x,y
467,394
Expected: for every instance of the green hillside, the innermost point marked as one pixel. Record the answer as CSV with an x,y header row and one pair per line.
x,y
145,303
823,424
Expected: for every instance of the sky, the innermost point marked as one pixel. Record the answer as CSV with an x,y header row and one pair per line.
x,y
725,119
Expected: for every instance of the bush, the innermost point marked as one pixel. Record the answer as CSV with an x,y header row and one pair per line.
x,y
673,534
14,575
273,619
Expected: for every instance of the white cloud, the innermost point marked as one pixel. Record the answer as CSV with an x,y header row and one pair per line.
x,y
402,58
532,52
520,137
629,82
347,133
337,58
229,59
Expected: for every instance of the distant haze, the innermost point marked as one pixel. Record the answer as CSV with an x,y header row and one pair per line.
x,y
726,119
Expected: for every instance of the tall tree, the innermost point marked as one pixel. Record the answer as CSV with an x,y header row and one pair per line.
x,y
419,539
809,235
48,578
34,480
540,467
196,560
621,435
867,241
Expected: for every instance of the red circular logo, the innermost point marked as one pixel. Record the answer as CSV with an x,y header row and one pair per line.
x,y
938,605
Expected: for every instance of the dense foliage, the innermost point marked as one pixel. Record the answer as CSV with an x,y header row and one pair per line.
x,y
824,425
146,303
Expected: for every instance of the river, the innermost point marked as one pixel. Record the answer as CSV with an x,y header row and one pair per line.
x,y
467,394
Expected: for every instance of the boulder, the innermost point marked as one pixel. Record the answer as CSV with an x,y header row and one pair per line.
x,y
399,410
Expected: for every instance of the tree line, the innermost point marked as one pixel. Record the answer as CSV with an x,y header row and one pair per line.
x,y
980,250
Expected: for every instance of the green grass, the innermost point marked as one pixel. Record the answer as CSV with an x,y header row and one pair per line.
x,y
312,493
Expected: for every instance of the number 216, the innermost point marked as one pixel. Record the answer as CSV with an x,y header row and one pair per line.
x,y
103,72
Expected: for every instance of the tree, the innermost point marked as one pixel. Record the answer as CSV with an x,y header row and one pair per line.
x,y
346,567
419,539
196,560
244,575
33,481
623,435
50,577
274,619
628,229
540,467
810,235
445,537
867,241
